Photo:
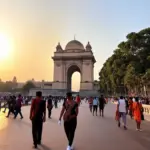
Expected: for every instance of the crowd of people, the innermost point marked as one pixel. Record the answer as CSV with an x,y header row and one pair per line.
x,y
38,112
130,106
13,104
69,112
143,100
95,103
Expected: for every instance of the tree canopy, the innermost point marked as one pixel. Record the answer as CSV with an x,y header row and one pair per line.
x,y
29,85
128,69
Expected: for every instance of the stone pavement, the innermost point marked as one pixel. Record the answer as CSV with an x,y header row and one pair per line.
x,y
93,133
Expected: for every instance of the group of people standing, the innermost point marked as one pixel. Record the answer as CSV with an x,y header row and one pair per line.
x,y
95,103
133,107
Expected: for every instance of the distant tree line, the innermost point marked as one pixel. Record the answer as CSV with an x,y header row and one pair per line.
x,y
128,69
11,87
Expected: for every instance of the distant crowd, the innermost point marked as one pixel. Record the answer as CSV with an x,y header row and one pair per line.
x,y
142,100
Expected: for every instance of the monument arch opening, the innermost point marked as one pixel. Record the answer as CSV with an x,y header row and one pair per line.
x,y
70,72
76,81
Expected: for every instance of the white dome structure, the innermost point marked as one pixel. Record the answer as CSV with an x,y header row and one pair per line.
x,y
74,45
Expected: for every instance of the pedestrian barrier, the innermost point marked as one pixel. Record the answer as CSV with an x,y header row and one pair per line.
x,y
146,109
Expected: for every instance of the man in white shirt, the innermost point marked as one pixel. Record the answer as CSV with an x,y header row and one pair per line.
x,y
122,110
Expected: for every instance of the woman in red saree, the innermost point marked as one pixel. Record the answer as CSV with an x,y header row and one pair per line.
x,y
137,107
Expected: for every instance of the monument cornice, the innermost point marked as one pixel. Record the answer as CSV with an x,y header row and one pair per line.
x,y
74,58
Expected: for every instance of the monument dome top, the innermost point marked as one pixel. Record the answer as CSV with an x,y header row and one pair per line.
x,y
74,45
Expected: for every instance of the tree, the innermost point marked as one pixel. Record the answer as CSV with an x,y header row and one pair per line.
x,y
29,85
129,66
6,86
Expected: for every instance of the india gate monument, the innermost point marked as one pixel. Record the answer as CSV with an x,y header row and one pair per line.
x,y
73,58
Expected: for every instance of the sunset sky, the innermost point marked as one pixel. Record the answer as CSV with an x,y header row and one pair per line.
x,y
34,27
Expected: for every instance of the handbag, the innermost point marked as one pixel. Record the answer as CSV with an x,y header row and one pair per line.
x,y
142,114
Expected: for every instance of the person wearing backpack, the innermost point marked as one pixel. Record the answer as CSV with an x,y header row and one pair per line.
x,y
37,116
69,113
122,111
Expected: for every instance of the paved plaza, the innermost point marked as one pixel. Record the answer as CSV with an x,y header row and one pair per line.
x,y
93,133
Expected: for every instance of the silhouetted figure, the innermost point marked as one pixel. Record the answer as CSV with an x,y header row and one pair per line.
x,y
102,103
11,105
49,106
56,103
18,107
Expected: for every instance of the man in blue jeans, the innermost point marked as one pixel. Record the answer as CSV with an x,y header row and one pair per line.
x,y
122,109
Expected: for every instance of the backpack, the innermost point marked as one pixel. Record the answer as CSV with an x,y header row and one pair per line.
x,y
70,110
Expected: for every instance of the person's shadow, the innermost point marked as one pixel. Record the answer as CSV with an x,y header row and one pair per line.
x,y
44,147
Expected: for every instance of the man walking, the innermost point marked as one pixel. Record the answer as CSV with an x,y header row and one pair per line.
x,y
102,103
11,105
37,116
122,111
49,106
18,107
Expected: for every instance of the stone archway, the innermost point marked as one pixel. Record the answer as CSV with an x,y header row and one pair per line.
x,y
70,71
73,58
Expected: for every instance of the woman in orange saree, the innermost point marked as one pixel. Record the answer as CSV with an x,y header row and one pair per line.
x,y
137,113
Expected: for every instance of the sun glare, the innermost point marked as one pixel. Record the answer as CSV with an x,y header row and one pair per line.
x,y
5,47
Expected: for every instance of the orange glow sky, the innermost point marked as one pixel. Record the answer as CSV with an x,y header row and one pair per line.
x,y
36,26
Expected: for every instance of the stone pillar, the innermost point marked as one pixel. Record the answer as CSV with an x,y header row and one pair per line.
x,y
58,75
87,75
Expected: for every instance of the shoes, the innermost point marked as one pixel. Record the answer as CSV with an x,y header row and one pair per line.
x,y
118,124
139,130
71,147
35,146
21,118
125,128
39,143
68,148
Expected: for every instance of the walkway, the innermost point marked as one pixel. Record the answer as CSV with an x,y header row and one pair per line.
x,y
93,133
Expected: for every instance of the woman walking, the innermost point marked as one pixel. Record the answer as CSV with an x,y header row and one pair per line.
x,y
69,113
137,107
